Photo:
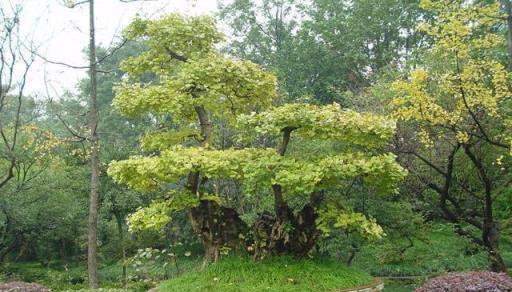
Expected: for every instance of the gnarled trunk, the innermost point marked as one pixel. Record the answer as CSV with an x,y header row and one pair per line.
x,y
491,240
218,227
286,232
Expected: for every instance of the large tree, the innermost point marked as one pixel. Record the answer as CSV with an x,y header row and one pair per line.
x,y
200,100
457,108
196,89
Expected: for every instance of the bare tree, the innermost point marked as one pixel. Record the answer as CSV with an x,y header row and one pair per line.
x,y
92,232
15,63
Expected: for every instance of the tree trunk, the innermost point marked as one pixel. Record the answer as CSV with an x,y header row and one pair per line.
x,y
508,10
119,221
490,228
287,233
93,200
491,240
217,227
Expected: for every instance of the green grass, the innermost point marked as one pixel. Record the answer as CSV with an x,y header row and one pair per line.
x,y
280,274
399,286
444,252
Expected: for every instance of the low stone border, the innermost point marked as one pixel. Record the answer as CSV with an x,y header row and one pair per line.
x,y
376,286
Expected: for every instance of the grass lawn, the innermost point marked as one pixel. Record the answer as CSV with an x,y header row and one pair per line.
x,y
281,274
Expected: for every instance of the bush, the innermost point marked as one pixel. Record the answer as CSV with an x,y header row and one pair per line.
x,y
469,281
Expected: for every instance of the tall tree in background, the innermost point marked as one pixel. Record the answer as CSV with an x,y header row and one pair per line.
x,y
324,48
507,7
94,140
92,239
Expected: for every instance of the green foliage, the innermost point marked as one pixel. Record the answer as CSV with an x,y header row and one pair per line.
x,y
190,37
442,252
326,49
350,222
320,122
276,275
219,84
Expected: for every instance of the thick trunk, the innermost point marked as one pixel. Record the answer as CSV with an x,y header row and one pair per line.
x,y
93,200
217,227
286,232
491,241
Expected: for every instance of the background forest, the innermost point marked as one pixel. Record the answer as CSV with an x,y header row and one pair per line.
x,y
374,135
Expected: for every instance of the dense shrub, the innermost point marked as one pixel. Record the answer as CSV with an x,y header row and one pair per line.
x,y
469,281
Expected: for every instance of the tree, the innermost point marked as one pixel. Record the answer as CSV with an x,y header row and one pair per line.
x,y
196,87
94,145
507,7
458,108
324,48
198,92
15,63
308,176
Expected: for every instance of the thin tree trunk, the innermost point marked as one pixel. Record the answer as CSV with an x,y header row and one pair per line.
x,y
119,221
93,201
508,10
490,230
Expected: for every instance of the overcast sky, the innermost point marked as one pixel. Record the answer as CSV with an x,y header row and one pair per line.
x,y
63,33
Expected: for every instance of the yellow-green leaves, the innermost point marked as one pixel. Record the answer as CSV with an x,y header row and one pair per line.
x,y
188,73
303,176
159,212
470,84
147,173
221,85
189,37
320,122
330,217
153,217
258,169
459,25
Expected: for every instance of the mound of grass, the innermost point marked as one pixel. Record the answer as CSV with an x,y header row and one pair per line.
x,y
282,274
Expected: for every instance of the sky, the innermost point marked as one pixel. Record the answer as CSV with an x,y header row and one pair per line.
x,y
62,34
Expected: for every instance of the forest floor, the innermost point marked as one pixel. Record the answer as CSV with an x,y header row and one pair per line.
x,y
441,253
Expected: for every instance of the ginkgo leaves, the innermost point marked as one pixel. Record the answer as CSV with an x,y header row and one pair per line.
x,y
201,89
168,39
147,173
320,122
221,85
459,25
331,217
258,169
189,73
470,85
